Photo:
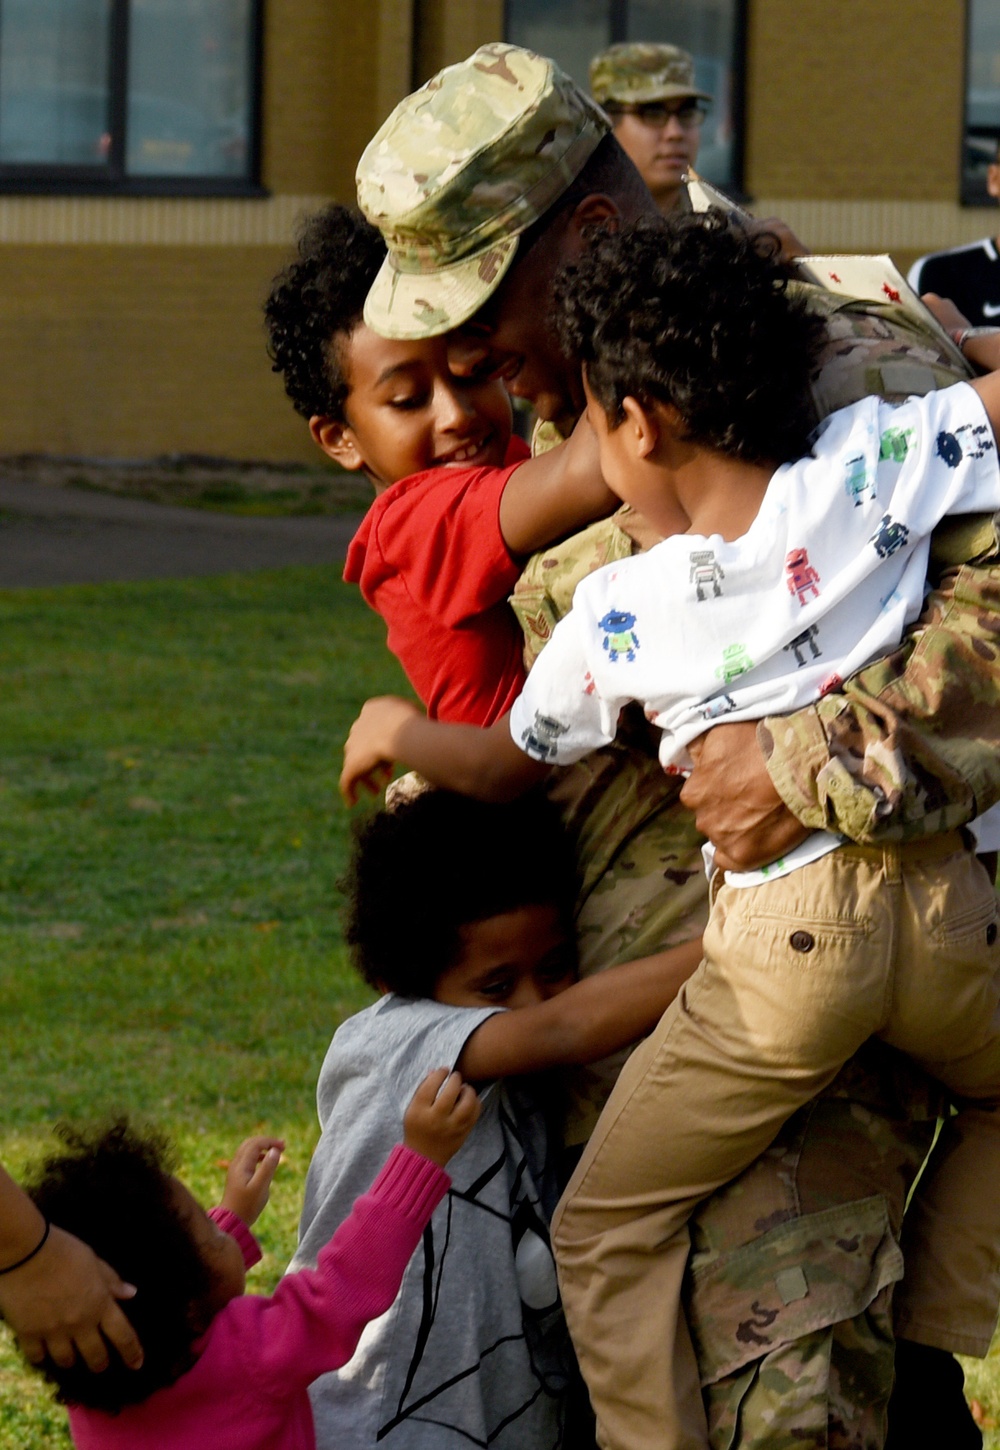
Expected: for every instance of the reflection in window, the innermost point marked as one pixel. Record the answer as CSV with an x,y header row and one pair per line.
x,y
128,94
189,69
54,98
571,31
982,99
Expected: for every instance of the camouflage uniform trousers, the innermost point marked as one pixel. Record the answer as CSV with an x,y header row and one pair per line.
x,y
789,1291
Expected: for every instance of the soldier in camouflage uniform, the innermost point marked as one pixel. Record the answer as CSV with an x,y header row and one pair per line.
x,y
656,109
502,161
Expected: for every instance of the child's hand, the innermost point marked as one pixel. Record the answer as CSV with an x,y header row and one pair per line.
x,y
441,1115
248,1179
370,751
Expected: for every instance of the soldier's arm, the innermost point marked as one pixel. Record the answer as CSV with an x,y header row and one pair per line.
x,y
483,763
911,746
555,494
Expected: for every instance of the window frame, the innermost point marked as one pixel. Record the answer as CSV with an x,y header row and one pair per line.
x,y
40,179
618,31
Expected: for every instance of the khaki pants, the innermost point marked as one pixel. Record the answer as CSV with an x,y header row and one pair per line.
x,y
898,943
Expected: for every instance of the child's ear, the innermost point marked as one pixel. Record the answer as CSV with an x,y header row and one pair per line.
x,y
337,441
643,424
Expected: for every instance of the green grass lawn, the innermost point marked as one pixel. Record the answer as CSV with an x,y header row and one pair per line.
x,y
172,837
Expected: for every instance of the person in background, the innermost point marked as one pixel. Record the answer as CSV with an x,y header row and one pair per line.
x,y
656,109
970,274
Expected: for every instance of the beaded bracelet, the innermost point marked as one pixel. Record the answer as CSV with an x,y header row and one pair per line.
x,y
961,335
28,1257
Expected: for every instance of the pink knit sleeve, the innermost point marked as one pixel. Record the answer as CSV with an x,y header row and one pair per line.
x,y
315,1318
233,1225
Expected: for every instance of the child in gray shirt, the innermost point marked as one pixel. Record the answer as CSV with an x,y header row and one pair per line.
x,y
461,916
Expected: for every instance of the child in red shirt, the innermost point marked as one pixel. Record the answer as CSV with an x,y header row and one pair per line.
x,y
459,505
224,1370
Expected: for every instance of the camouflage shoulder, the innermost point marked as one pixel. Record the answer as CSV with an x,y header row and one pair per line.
x,y
875,348
544,592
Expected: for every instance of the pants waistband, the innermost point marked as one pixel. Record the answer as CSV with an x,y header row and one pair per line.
x,y
926,848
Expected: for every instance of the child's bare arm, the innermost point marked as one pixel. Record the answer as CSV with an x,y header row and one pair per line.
x,y
441,1115
555,494
586,1022
483,763
983,352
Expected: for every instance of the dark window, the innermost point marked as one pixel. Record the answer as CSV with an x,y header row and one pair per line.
x,y
571,31
133,96
982,99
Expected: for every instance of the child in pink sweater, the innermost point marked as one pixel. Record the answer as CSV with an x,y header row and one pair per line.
x,y
223,1369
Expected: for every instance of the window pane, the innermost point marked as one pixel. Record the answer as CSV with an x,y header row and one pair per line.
x,y
982,99
54,81
190,79
570,31
706,28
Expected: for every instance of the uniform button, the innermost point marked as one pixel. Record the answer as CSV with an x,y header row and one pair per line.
x,y
991,933
802,941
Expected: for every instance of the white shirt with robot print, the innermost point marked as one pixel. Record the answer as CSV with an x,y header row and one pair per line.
x,y
828,576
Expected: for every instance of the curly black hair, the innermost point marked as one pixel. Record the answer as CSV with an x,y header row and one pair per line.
x,y
439,862
695,311
112,1188
316,303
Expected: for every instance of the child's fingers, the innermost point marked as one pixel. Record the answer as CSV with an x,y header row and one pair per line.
x,y
427,1092
467,1105
249,1154
265,1170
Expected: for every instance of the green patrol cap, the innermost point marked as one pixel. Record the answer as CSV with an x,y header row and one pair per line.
x,y
639,71
458,171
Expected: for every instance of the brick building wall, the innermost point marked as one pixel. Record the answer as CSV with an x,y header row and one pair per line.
x,y
131,326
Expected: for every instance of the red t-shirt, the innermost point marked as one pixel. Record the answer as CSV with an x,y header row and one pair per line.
x,y
430,558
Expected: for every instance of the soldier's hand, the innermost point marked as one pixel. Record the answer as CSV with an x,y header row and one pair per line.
x,y
791,247
734,801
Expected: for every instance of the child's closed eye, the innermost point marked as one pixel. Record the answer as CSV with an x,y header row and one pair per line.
x,y
409,402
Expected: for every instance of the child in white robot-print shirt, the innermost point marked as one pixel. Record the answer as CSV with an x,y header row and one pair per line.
x,y
785,572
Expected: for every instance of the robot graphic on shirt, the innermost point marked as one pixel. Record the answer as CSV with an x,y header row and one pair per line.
x,y
715,708
541,737
619,638
890,534
800,575
704,572
735,662
801,641
978,441
894,445
858,483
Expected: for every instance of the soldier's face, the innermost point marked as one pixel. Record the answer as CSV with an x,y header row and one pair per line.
x,y
514,332
662,153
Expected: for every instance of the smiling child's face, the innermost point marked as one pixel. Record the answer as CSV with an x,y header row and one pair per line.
x,y
406,412
516,959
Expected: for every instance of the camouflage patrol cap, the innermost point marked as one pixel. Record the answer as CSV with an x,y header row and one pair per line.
x,y
639,71
458,171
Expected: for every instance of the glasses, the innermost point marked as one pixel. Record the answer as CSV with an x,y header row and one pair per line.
x,y
656,114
